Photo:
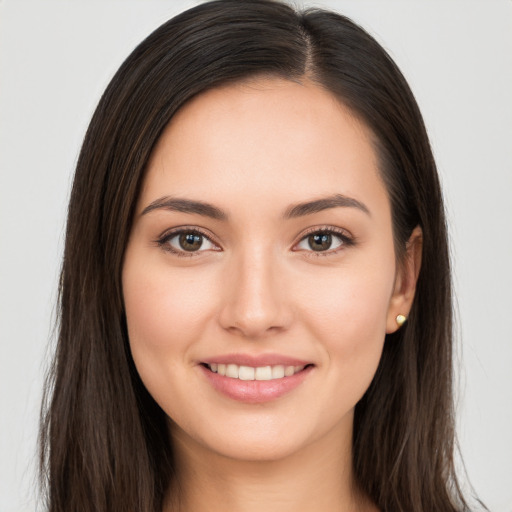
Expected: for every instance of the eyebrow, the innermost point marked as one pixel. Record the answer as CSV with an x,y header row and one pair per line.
x,y
186,206
325,203
294,211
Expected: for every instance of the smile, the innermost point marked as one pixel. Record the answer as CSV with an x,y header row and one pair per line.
x,y
234,371
255,379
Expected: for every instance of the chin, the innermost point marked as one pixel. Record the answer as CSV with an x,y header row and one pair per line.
x,y
264,438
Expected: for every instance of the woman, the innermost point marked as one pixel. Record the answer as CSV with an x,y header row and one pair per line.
x,y
255,295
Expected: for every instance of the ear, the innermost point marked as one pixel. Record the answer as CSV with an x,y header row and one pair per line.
x,y
405,280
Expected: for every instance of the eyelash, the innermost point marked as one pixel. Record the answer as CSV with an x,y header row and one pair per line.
x,y
346,240
163,241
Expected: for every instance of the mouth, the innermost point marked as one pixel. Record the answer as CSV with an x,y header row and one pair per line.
x,y
255,382
258,373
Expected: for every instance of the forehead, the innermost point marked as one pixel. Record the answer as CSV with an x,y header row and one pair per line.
x,y
267,139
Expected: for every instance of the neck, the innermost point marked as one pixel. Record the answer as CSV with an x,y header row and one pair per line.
x,y
315,478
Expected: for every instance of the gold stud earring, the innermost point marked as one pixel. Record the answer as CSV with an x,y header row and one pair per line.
x,y
400,320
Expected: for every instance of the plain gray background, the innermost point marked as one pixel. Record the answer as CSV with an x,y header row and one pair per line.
x,y
56,57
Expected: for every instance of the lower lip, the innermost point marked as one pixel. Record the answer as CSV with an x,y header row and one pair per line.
x,y
255,391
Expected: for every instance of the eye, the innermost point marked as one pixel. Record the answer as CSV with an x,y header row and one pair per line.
x,y
186,242
324,241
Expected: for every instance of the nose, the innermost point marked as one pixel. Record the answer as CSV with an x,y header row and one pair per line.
x,y
255,297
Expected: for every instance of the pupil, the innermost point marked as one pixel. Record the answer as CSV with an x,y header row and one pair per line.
x,y
320,242
191,241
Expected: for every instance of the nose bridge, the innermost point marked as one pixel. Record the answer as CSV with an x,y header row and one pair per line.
x,y
255,300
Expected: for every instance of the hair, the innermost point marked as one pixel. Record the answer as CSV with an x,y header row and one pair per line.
x,y
105,444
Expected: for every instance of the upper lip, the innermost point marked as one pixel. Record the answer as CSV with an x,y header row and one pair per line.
x,y
255,360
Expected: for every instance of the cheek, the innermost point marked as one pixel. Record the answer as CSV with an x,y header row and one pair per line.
x,y
347,315
164,308
166,312
350,304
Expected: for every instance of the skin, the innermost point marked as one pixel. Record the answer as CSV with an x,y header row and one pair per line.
x,y
254,150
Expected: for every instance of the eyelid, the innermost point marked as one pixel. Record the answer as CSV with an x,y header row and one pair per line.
x,y
346,237
163,239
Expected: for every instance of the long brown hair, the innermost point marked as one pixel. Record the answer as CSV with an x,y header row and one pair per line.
x,y
104,441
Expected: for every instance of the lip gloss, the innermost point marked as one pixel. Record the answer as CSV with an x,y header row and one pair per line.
x,y
254,391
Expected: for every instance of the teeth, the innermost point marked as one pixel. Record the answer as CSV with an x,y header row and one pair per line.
x,y
263,373
289,371
232,371
259,373
246,373
277,372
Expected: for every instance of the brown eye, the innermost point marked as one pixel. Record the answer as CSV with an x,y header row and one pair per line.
x,y
320,241
187,242
190,241
324,240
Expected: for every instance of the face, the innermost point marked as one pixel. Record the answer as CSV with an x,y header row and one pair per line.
x,y
260,277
